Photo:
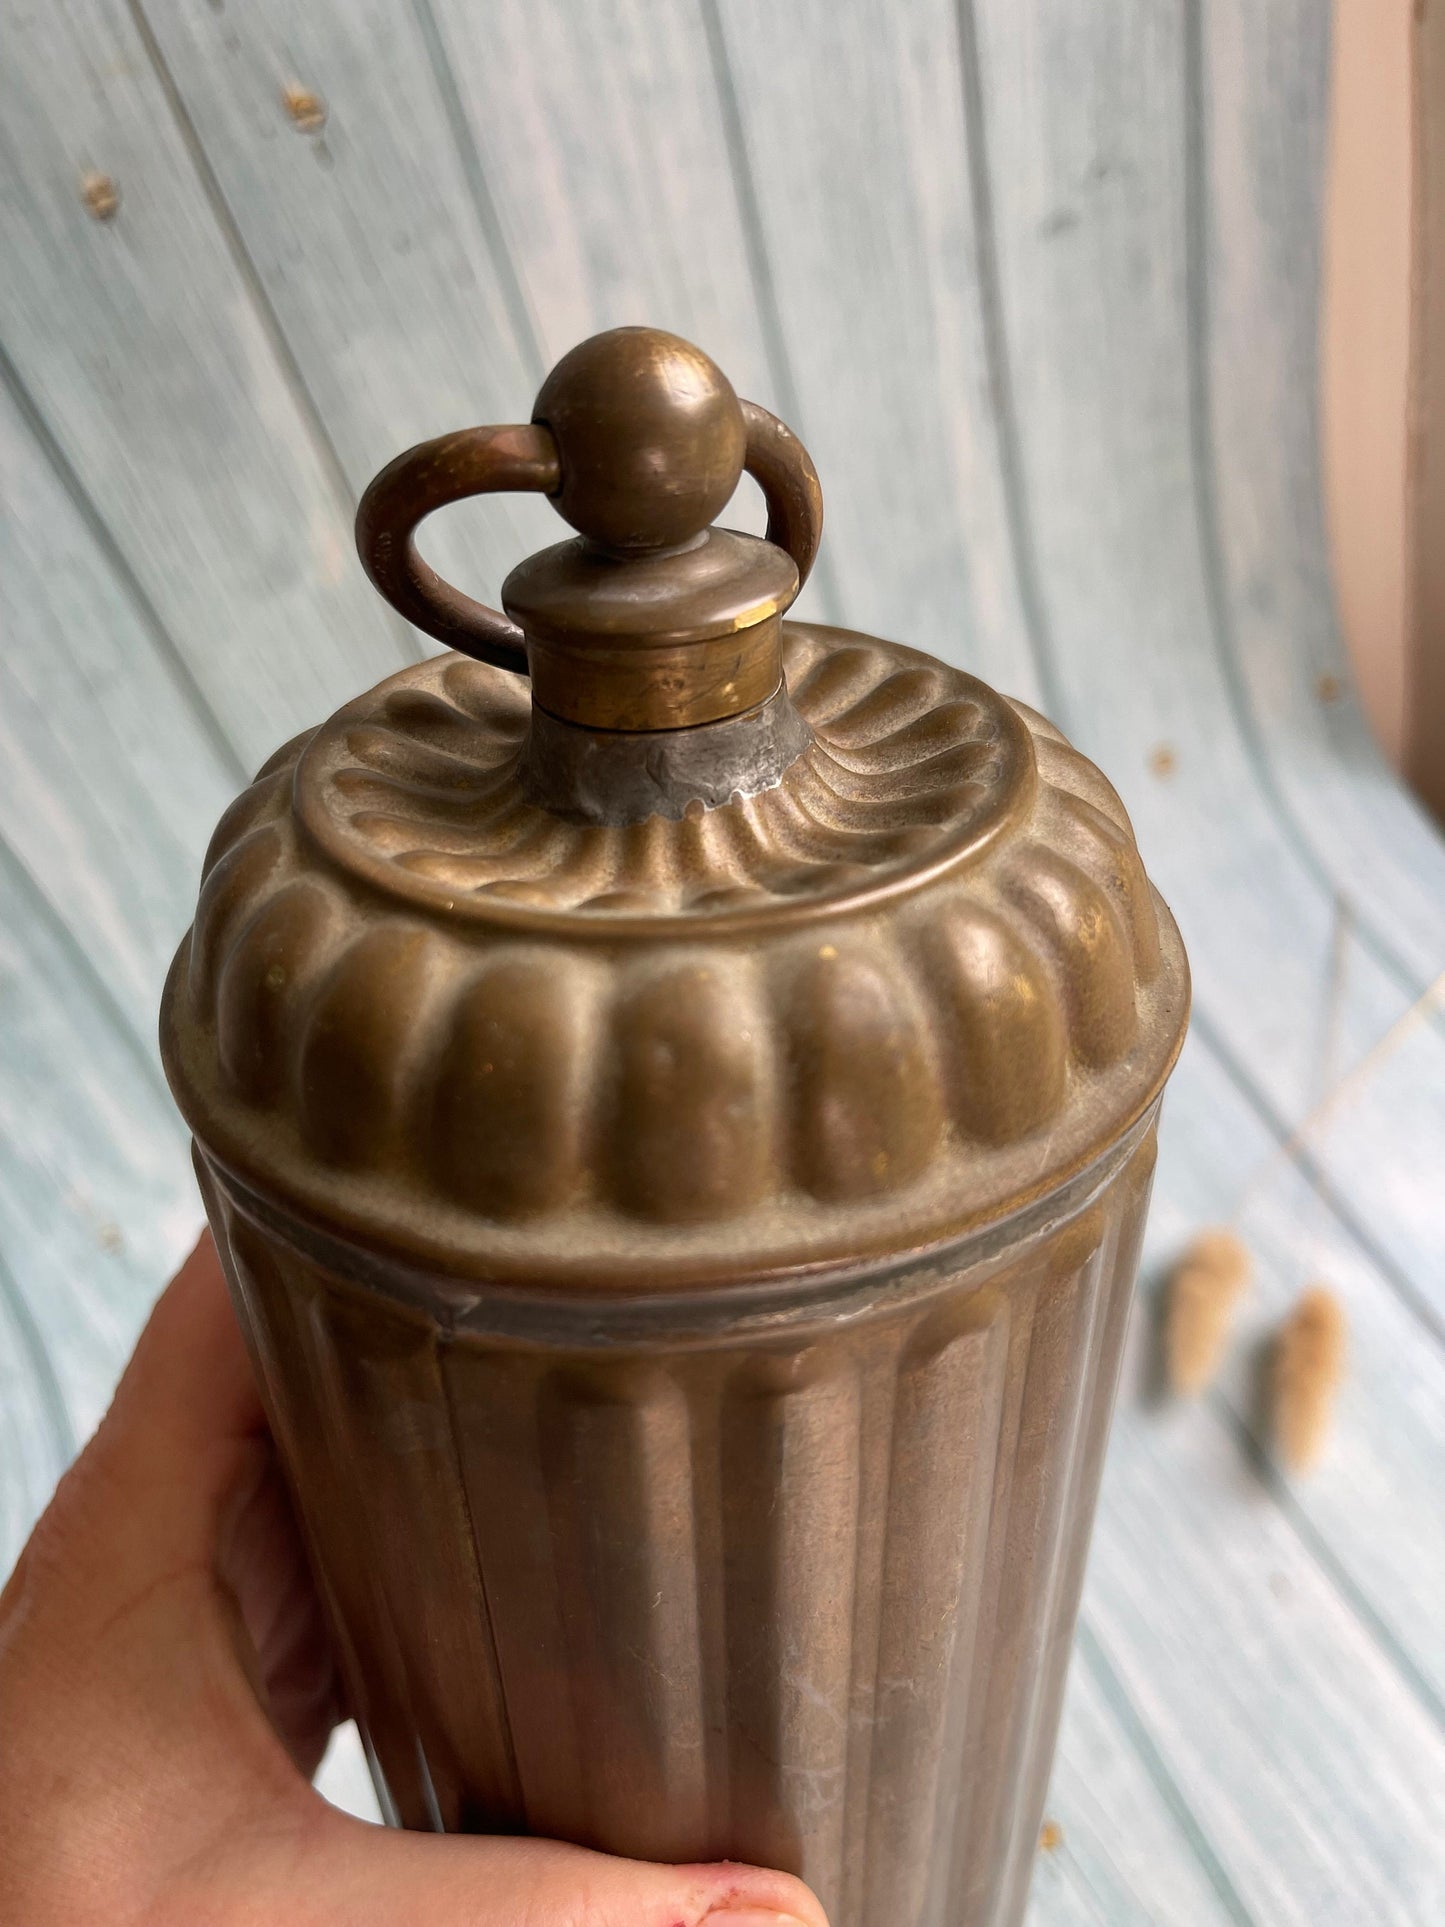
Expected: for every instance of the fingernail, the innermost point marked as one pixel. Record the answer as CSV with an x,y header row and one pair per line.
x,y
752,1917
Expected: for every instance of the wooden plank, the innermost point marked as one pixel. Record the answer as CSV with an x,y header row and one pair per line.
x,y
1090,182
1087,168
859,152
1227,1605
1084,126
1123,1857
144,349
1362,1509
1384,1139
1371,1132
110,777
375,247
605,150
1310,1766
1123,556
477,156
1263,122
1357,1566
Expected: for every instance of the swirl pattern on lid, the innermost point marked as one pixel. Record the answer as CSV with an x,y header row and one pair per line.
x,y
416,787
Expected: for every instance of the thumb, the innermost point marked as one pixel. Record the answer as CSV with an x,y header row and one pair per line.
x,y
125,1676
371,1877
148,1492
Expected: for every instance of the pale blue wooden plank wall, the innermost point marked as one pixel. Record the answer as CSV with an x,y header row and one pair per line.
x,y
1037,283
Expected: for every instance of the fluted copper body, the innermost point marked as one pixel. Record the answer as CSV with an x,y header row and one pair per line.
x,y
787,1579
678,1133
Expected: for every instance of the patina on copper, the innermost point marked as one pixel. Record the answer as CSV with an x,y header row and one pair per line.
x,y
678,1130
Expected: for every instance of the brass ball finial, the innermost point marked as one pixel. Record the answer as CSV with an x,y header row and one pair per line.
x,y
650,435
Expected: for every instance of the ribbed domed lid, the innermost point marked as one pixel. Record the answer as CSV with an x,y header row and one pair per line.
x,y
863,962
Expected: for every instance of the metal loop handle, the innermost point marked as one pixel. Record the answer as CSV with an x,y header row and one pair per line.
x,y
784,471
472,461
489,461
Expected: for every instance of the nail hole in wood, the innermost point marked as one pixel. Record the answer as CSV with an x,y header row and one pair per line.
x,y
100,195
307,109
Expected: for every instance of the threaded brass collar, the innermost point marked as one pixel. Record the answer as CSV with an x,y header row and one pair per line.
x,y
657,641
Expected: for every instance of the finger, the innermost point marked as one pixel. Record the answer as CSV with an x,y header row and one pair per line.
x,y
176,1516
129,1708
371,1877
261,1562
187,1438
185,1432
190,1380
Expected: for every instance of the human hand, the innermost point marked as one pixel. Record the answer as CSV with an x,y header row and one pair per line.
x,y
166,1690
